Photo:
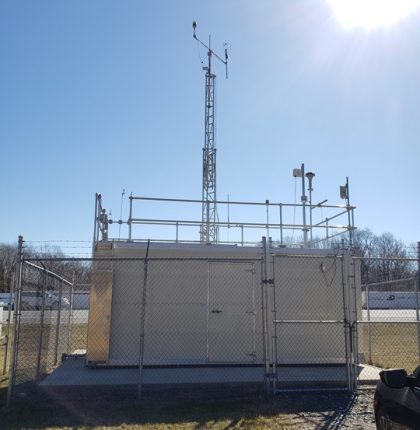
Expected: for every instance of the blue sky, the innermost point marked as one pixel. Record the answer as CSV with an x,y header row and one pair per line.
x,y
97,96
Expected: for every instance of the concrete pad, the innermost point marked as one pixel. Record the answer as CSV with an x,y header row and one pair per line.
x,y
73,372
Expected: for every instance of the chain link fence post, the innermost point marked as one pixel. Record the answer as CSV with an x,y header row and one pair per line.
x,y
142,323
352,282
16,313
58,328
70,331
368,324
264,313
346,326
274,327
9,320
41,326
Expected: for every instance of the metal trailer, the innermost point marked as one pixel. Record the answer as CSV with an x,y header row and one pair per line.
x,y
208,305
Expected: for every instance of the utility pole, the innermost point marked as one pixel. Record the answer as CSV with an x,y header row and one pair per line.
x,y
208,229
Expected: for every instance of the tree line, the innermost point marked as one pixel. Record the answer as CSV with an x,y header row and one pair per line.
x,y
69,269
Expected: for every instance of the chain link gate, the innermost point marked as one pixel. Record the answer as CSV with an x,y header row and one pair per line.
x,y
310,313
42,322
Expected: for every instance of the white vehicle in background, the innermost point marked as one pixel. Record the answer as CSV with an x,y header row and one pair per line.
x,y
33,300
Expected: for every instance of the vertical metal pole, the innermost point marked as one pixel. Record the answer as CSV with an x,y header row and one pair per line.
x,y
142,323
176,232
9,317
16,321
69,347
303,200
354,322
254,313
208,221
350,215
310,189
242,234
264,308
310,214
208,314
367,292
326,230
131,216
95,222
267,202
350,321
346,325
274,318
57,330
41,326
281,223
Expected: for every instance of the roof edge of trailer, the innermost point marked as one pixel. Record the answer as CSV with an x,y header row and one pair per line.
x,y
137,245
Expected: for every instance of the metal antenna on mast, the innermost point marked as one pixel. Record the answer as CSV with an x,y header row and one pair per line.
x,y
208,230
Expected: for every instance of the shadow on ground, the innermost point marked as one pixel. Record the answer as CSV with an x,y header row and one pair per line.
x,y
213,408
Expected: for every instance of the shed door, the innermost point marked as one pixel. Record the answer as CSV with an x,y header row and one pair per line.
x,y
231,313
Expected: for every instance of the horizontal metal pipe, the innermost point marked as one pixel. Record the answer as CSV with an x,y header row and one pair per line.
x,y
333,235
308,322
150,259
230,224
158,199
387,322
388,282
42,269
330,218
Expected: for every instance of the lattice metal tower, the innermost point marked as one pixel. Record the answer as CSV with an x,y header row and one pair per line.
x,y
208,229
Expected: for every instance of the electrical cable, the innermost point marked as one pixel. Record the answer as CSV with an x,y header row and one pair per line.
x,y
324,271
199,53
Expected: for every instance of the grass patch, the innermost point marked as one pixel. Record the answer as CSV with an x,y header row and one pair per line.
x,y
78,337
392,345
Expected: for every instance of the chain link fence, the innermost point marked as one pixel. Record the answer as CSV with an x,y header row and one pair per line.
x,y
283,319
43,322
389,330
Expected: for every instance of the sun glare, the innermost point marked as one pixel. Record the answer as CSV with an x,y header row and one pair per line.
x,y
372,14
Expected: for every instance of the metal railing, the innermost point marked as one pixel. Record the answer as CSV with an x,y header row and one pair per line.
x,y
276,220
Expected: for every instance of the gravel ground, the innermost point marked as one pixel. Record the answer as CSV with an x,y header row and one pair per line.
x,y
328,410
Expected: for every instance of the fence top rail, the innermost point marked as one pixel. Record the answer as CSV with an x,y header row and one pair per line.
x,y
309,321
389,322
394,281
49,272
411,259
320,254
108,259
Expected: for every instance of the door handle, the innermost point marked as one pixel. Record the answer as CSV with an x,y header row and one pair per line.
x,y
216,311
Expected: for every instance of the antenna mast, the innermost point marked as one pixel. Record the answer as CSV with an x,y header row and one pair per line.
x,y
208,229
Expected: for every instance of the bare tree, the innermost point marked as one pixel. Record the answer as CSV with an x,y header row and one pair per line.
x,y
8,255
